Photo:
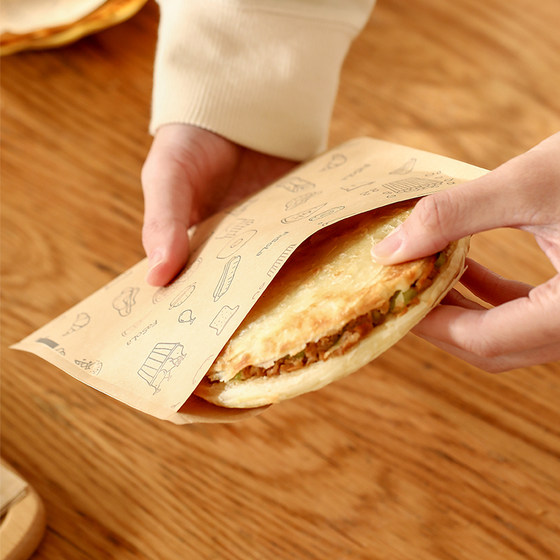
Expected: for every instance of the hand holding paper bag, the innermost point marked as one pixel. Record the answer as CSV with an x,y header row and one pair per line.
x,y
153,353
189,174
523,327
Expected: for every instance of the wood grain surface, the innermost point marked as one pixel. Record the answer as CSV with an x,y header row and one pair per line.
x,y
416,456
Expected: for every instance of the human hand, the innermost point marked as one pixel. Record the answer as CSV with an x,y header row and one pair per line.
x,y
189,174
522,326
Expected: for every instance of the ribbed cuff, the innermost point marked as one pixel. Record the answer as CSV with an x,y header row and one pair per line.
x,y
261,76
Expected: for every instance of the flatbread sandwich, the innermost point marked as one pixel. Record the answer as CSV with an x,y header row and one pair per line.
x,y
330,310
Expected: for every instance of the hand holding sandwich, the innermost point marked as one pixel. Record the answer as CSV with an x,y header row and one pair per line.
x,y
189,174
522,326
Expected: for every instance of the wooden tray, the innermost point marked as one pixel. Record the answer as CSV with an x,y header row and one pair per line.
x,y
23,521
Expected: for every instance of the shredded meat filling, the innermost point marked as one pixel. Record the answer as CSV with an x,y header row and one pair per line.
x,y
355,330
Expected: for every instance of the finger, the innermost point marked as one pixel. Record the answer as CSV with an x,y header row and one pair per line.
x,y
167,209
521,325
506,362
515,194
457,299
491,287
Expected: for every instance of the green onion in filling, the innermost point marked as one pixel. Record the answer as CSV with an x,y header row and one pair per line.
x,y
393,300
440,260
409,295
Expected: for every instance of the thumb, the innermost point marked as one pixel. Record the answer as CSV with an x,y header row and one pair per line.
x,y
167,210
496,199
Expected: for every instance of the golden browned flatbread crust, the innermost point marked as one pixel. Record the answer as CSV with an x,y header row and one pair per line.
x,y
330,280
109,13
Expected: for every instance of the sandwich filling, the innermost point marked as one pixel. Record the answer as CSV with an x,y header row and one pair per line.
x,y
327,298
351,333
329,310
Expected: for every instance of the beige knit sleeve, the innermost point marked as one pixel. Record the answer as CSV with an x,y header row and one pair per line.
x,y
262,73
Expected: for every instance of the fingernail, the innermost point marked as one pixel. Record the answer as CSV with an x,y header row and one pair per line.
x,y
154,260
389,246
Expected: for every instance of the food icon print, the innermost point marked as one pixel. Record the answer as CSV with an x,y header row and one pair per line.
x,y
406,168
186,316
335,160
222,318
226,278
415,184
161,361
300,199
82,320
182,296
124,302
295,184
93,367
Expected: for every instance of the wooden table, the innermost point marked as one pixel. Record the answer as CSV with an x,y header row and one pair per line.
x,y
417,456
